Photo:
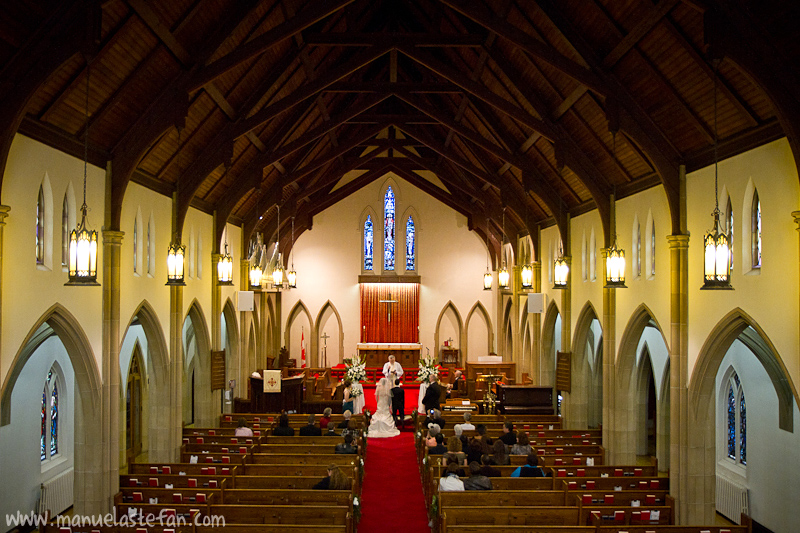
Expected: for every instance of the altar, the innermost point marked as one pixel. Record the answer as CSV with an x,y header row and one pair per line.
x,y
377,353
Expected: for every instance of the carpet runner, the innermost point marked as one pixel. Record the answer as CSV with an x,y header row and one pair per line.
x,y
391,498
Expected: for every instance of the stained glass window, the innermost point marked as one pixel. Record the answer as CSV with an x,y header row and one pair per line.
x,y
731,423
54,421
368,243
411,245
729,227
388,230
742,430
44,422
65,232
756,230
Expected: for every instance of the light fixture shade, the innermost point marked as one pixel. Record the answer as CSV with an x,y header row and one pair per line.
x,y
255,276
560,273
717,258
277,274
225,268
503,277
526,276
175,263
82,255
615,268
487,280
291,278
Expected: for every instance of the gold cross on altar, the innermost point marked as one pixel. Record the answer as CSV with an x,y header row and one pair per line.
x,y
388,308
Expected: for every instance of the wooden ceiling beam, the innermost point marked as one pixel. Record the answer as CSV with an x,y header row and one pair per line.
x,y
421,40
264,42
642,28
383,86
162,33
484,17
327,178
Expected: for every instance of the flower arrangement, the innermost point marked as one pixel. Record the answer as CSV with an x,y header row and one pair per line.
x,y
356,390
355,369
427,367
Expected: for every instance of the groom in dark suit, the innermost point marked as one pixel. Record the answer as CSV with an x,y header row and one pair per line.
x,y
431,398
398,404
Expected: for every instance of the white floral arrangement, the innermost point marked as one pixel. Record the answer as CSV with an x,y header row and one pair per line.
x,y
355,369
356,390
427,367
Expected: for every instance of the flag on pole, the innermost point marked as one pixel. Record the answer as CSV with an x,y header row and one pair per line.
x,y
302,349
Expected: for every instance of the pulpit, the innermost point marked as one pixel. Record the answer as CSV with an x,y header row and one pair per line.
x,y
288,399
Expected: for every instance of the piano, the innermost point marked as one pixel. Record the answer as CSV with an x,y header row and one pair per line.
x,y
525,400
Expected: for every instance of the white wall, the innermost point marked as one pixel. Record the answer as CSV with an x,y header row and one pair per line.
x,y
21,467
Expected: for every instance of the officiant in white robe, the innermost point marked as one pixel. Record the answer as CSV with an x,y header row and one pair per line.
x,y
392,370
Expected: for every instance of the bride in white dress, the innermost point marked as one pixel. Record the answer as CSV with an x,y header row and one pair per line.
x,y
382,424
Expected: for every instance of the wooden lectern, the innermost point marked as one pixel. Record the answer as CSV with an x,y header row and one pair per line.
x,y
288,399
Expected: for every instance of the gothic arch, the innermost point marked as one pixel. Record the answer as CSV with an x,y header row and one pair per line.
x,y
318,327
626,386
508,332
449,306
204,404
298,310
575,406
377,225
157,364
480,310
702,400
401,222
89,448
547,363
232,336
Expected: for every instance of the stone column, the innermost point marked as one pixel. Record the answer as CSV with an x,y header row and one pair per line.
x,y
566,342
4,209
112,245
516,333
536,325
176,369
609,365
679,377
216,323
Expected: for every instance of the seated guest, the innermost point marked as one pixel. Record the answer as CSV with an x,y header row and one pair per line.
x,y
243,430
467,425
463,438
500,457
476,480
439,449
350,429
283,429
480,429
430,438
523,445
435,417
336,480
326,418
343,423
531,469
450,481
509,437
310,430
447,461
454,452
487,469
346,446
331,431
475,451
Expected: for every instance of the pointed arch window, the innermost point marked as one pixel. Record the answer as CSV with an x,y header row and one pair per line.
x,y
148,248
368,239
638,245
50,410
135,245
737,421
388,230
653,248
729,227
44,424
40,216
65,232
411,245
54,420
755,230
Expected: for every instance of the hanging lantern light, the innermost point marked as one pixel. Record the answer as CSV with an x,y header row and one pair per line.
x,y
277,274
291,275
526,276
560,273
503,277
82,241
175,263
257,254
255,276
225,268
716,244
615,268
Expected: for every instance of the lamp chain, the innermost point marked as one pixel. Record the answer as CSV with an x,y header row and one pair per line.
x,y
716,143
86,136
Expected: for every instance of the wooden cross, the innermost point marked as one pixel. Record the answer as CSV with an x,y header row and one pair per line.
x,y
325,338
389,309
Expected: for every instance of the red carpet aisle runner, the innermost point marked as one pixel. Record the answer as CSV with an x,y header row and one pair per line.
x,y
391,499
411,397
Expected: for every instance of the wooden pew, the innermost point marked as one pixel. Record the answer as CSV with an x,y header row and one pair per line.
x,y
280,482
673,529
179,482
273,517
308,459
609,483
190,469
259,528
646,498
520,483
598,515
610,470
156,510
223,440
512,516
290,470
499,498
215,458
120,528
185,495
217,448
521,529
288,497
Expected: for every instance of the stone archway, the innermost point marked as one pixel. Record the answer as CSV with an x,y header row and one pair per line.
x,y
197,334
325,354
477,312
700,504
550,334
309,332
93,487
575,405
232,355
449,310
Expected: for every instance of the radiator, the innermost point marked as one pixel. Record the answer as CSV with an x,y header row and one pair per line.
x,y
732,499
56,494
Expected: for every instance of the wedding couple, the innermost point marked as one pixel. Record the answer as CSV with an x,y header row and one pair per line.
x,y
382,423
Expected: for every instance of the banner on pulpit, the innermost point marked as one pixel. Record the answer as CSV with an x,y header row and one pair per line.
x,y
272,380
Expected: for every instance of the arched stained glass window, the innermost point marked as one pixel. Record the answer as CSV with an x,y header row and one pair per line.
x,y
54,420
755,230
368,243
737,421
411,245
40,227
729,227
65,232
388,230
44,423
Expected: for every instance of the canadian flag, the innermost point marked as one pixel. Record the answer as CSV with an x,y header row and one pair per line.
x,y
302,349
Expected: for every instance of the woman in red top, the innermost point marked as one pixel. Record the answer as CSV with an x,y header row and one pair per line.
x,y
326,418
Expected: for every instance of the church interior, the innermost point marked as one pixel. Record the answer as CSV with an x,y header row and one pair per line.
x,y
602,189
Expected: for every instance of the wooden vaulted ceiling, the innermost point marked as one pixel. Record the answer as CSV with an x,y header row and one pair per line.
x,y
515,113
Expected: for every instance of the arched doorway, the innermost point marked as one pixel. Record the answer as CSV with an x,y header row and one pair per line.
x,y
197,379
134,391
577,402
551,343
331,342
478,334
646,399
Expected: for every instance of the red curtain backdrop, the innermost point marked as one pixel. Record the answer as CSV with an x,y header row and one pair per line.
x,y
375,323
